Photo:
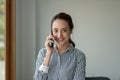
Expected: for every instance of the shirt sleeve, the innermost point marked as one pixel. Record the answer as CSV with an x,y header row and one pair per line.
x,y
80,68
39,75
43,68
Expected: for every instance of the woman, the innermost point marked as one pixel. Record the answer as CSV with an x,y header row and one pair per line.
x,y
64,61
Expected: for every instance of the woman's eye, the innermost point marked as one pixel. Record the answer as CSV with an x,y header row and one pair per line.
x,y
65,30
55,31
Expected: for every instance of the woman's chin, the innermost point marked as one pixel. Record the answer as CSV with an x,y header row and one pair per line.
x,y
62,43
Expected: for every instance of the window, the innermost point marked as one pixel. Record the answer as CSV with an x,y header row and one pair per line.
x,y
2,39
10,61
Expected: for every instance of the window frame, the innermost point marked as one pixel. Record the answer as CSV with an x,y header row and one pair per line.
x,y
10,33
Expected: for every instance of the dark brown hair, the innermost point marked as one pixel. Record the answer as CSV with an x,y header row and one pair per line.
x,y
68,19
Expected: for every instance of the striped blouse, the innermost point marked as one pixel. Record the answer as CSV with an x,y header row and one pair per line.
x,y
68,66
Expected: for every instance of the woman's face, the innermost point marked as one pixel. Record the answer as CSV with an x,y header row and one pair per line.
x,y
61,31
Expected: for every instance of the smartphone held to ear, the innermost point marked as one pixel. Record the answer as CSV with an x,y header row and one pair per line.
x,y
53,43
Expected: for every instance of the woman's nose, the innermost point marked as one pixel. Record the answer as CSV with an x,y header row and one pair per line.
x,y
60,34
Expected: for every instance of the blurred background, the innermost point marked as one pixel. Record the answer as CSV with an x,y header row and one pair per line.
x,y
96,33
2,39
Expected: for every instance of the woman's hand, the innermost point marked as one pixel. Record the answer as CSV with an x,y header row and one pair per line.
x,y
48,40
49,50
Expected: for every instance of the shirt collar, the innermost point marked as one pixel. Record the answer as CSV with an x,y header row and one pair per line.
x,y
70,48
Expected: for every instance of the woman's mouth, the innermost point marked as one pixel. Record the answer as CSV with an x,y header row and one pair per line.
x,y
60,40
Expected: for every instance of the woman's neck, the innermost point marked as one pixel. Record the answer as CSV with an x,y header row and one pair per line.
x,y
62,48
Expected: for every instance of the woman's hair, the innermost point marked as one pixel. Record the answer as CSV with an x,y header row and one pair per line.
x,y
68,19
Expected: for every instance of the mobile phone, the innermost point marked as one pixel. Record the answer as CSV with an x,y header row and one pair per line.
x,y
51,44
54,42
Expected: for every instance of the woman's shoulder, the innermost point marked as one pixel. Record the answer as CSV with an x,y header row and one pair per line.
x,y
79,53
80,57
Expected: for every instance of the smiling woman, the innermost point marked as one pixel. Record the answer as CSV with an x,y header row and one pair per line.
x,y
63,61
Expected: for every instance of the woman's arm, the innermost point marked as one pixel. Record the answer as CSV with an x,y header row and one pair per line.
x,y
39,75
80,68
43,60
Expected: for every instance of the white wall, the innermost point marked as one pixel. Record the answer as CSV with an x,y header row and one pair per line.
x,y
98,24
25,39
96,21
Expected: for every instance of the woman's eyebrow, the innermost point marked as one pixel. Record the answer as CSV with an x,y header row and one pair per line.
x,y
65,28
61,28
